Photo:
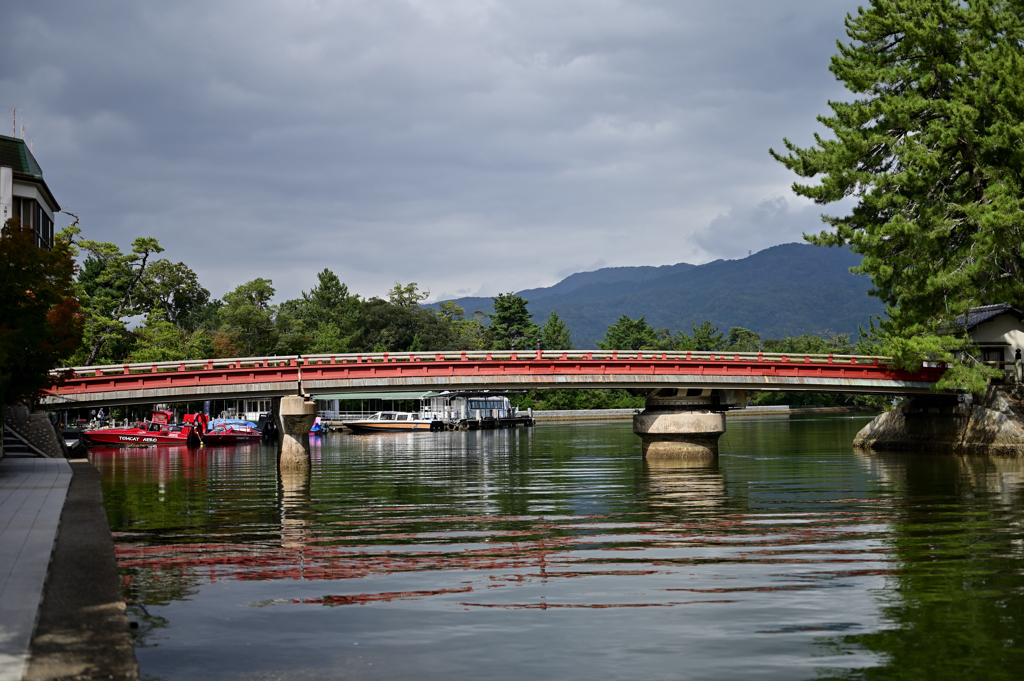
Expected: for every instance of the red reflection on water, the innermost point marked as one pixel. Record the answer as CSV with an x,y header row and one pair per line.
x,y
360,599
590,606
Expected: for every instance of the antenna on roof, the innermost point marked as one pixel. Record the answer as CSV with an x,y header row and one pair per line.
x,y
23,132
14,122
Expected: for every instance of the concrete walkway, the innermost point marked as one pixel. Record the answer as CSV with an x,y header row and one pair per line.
x,y
32,493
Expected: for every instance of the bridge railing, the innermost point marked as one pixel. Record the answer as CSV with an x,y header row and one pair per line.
x,y
464,356
590,355
181,365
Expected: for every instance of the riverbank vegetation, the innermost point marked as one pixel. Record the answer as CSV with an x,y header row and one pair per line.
x,y
39,320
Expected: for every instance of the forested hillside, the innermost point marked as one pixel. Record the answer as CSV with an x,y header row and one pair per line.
x,y
790,289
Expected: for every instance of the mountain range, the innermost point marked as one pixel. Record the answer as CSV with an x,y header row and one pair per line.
x,y
790,289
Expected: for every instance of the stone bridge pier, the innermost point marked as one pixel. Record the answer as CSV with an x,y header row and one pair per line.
x,y
294,415
684,423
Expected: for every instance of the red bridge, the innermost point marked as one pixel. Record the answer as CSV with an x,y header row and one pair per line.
x,y
197,380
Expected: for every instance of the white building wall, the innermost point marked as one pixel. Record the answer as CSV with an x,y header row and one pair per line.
x,y
1004,329
6,194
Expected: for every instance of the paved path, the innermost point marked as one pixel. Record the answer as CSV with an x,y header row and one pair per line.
x,y
32,493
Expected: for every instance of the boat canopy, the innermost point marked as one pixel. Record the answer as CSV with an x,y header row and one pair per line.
x,y
232,422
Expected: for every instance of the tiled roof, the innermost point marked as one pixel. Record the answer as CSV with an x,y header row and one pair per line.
x,y
980,315
15,154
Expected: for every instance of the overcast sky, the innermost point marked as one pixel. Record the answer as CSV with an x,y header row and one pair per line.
x,y
472,146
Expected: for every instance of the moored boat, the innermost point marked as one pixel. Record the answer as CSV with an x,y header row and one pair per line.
x,y
158,431
392,421
230,431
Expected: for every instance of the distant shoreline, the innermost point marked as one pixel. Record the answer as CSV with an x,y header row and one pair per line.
x,y
770,411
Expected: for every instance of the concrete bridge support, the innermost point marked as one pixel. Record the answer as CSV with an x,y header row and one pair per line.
x,y
294,415
684,424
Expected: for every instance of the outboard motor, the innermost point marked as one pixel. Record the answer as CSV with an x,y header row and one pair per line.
x,y
267,426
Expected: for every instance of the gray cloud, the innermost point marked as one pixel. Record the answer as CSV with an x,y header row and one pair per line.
x,y
749,229
464,145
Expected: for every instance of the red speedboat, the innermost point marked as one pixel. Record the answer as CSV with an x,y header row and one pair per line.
x,y
159,431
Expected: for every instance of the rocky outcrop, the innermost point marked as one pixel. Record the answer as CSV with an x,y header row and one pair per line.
x,y
993,426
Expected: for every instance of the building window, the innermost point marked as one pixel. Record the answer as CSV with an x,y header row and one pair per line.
x,y
257,406
991,354
32,216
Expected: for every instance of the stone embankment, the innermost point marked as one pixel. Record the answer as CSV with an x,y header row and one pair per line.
x,y
993,425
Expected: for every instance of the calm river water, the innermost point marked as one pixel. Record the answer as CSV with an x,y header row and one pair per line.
x,y
558,553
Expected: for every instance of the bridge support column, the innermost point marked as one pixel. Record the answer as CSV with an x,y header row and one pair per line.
x,y
683,424
294,417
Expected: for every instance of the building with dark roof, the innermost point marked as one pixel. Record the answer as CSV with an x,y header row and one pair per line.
x,y
23,191
998,330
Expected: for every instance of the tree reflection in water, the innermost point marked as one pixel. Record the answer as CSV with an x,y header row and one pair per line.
x,y
954,606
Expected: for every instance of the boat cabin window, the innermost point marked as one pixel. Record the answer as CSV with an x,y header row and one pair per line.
x,y
487,404
154,428
387,417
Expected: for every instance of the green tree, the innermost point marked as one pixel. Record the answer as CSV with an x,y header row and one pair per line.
x,y
327,337
451,311
293,337
111,292
329,301
931,149
407,296
247,326
554,334
39,320
324,318
811,344
386,327
466,334
742,340
158,340
511,324
175,288
630,334
706,337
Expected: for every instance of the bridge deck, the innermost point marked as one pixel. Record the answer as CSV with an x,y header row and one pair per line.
x,y
195,380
